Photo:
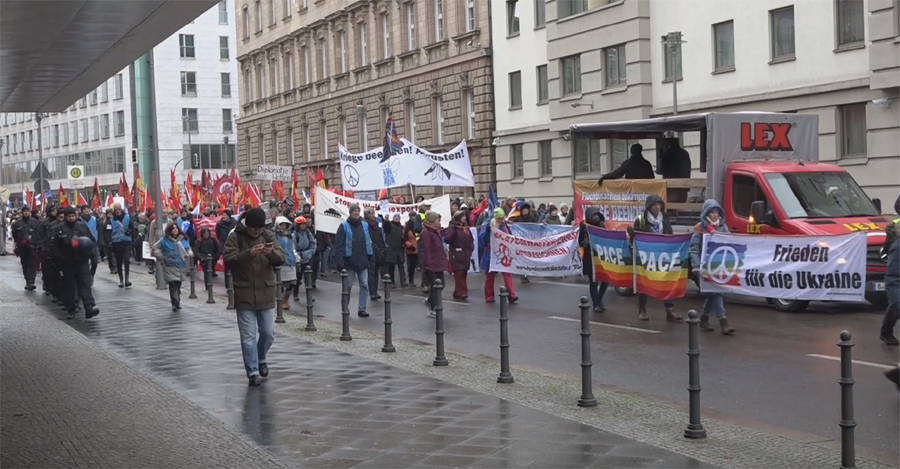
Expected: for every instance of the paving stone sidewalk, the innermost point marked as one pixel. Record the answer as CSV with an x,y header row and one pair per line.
x,y
324,408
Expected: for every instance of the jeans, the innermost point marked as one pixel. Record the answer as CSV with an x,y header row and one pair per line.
x,y
642,302
325,257
363,276
714,303
257,329
598,289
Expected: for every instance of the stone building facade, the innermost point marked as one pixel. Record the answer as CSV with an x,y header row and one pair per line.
x,y
315,75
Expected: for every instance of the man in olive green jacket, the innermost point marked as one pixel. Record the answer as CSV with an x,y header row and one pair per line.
x,y
252,253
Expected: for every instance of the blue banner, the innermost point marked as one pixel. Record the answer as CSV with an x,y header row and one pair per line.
x,y
537,230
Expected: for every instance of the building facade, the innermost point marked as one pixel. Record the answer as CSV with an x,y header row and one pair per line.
x,y
606,62
195,75
317,74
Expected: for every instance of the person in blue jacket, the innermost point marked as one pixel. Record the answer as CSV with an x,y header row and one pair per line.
x,y
87,217
305,245
119,226
353,250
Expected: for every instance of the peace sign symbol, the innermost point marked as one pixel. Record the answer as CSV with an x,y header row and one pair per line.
x,y
722,264
351,175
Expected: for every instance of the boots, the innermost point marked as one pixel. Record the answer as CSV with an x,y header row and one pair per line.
x,y
286,303
726,329
704,323
121,279
127,272
642,313
671,316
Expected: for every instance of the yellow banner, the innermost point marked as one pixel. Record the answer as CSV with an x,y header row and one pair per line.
x,y
620,201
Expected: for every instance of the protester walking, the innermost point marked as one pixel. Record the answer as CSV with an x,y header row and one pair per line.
x,y
41,240
23,233
712,220
653,220
891,250
72,246
252,254
411,245
207,247
593,217
393,249
459,237
378,246
304,243
353,250
120,230
173,258
90,221
484,253
434,259
284,233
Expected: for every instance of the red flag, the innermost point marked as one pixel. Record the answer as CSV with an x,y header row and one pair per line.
x,y
61,195
277,189
109,199
312,178
148,201
320,179
81,199
95,195
29,198
295,190
140,192
189,192
254,197
237,193
125,193
176,193
382,194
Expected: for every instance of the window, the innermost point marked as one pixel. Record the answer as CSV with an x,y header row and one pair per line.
x,y
215,156
386,35
545,158
438,20
363,132
92,97
82,103
470,114
362,44
259,17
512,17
342,49
273,77
543,89
782,30
410,26
851,21
619,151
223,48
540,13
73,126
723,34
342,130
853,130
286,6
470,15
323,140
307,144
54,135
226,85
587,156
571,7
571,73
85,131
439,119
517,158
227,126
306,76
260,81
289,71
223,12
186,45
670,61
515,90
323,63
189,83
119,121
120,91
246,15
745,191
276,156
290,145
104,92
411,121
248,95
104,125
616,69
189,120
95,130
271,12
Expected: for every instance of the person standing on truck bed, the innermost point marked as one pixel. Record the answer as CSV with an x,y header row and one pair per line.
x,y
675,163
635,167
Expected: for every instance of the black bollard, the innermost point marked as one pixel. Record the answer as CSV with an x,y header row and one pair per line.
x,y
439,359
505,375
193,280
229,288
388,345
587,398
207,278
345,307
310,323
279,292
848,424
694,429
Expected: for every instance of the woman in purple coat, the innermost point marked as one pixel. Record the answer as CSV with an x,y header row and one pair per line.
x,y
432,256
459,238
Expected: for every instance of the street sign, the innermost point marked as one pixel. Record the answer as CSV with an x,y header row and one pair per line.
x,y
40,168
75,176
37,186
270,172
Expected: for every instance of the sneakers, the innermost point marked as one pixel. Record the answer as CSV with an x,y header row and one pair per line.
x,y
889,339
91,312
432,313
642,314
362,313
263,370
255,380
375,297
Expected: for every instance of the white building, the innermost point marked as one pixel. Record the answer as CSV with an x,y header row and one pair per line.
x,y
195,73
841,62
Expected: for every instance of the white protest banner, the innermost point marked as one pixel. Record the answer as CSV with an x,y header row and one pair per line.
x,y
554,256
371,171
453,168
333,209
785,267
271,172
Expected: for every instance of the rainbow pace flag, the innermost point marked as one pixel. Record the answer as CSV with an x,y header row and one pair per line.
x,y
612,257
663,264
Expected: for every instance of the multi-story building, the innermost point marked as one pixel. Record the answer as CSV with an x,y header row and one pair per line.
x,y
606,62
195,72
318,74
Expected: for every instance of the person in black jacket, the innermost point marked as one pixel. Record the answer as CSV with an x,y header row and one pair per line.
x,y
594,217
377,267
206,247
675,163
635,167
40,239
23,232
67,247
223,228
394,252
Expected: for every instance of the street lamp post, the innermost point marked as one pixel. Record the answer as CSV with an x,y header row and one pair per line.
x,y
673,44
38,117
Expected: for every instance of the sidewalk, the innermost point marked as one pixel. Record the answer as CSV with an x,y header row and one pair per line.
x,y
320,407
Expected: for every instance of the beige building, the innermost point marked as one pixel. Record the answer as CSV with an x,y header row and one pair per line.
x,y
316,74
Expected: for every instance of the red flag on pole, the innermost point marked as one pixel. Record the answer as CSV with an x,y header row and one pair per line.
x,y
61,195
96,200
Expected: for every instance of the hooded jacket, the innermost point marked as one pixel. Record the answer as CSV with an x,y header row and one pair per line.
x,y
584,240
207,246
641,224
704,227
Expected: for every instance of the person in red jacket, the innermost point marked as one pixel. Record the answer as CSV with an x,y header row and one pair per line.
x,y
459,238
432,256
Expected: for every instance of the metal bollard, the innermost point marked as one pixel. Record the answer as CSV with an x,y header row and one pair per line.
x,y
388,345
440,359
694,430
505,375
229,288
193,294
587,398
207,278
848,424
345,307
279,292
310,324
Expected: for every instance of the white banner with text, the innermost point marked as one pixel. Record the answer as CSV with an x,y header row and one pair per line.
x,y
552,256
333,209
372,171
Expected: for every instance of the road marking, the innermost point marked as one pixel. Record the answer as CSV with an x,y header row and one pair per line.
x,y
445,301
855,362
616,326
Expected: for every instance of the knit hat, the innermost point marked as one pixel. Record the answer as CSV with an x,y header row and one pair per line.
x,y
551,208
396,216
70,211
432,217
255,218
354,207
281,220
499,213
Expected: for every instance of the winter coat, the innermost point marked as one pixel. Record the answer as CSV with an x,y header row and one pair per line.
x,y
206,247
23,233
254,276
892,274
553,220
461,243
635,167
393,242
323,240
704,227
289,269
431,251
641,223
584,240
223,228
61,243
410,240
305,245
377,241
171,255
359,259
120,230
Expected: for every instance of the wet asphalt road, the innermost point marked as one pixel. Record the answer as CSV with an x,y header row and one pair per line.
x,y
762,377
